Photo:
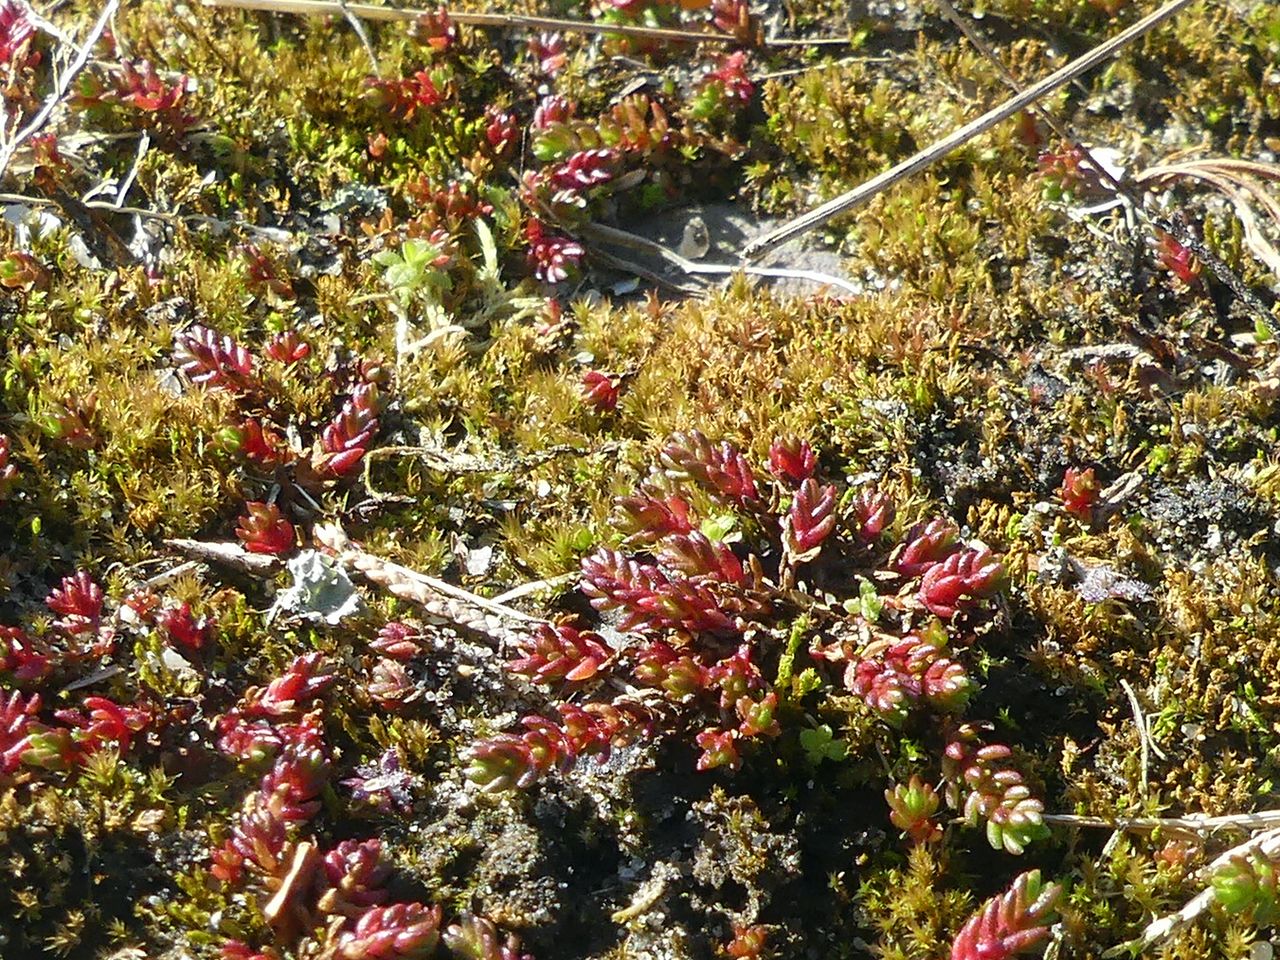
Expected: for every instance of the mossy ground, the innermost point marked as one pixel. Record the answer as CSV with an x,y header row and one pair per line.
x,y
962,378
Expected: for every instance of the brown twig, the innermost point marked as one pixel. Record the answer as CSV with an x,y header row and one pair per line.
x,y
325,8
440,599
932,154
1218,267
809,68
458,461
226,554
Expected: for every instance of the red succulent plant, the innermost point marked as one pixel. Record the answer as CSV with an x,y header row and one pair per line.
x,y
263,529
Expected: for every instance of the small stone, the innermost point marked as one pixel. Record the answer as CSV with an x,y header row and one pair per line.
x,y
696,240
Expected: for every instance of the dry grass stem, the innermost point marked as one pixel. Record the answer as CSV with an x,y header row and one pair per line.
x,y
932,154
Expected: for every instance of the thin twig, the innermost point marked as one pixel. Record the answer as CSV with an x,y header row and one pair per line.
x,y
1240,821
170,574
1267,844
60,90
797,71
274,234
932,154
358,26
551,583
603,234
1140,722
1218,267
1133,203
1041,111
784,43
1146,744
458,461
52,29
1233,178
102,673
326,8
144,142
1012,82
623,265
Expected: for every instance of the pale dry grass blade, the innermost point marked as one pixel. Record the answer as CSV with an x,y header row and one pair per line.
x,y
1240,181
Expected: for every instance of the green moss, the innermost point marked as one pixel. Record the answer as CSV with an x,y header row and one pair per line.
x,y
963,380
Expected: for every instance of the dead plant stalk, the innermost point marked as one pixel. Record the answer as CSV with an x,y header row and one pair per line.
x,y
364,11
932,154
